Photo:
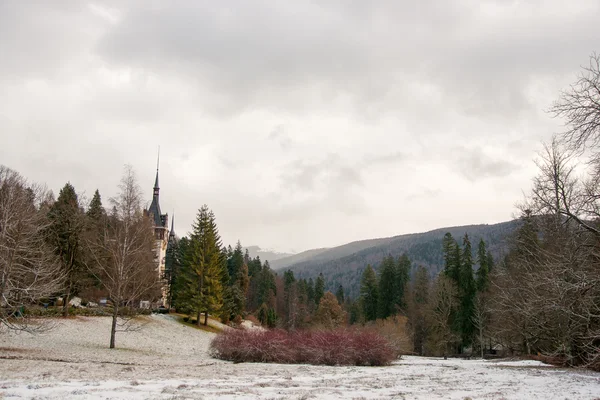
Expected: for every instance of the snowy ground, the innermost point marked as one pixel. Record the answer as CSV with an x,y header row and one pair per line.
x,y
168,360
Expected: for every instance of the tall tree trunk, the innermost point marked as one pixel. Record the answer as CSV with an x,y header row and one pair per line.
x,y
206,318
481,340
66,300
113,329
198,318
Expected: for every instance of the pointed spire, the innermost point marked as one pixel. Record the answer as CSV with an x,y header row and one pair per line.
x,y
157,165
172,232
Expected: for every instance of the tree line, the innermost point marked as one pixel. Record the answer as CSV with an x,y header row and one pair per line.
x,y
59,248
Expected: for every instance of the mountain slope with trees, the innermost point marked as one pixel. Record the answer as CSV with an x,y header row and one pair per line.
x,y
344,265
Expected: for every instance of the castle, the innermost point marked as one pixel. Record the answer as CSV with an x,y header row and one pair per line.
x,y
162,235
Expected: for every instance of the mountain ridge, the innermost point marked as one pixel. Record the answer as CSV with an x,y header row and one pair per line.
x,y
343,265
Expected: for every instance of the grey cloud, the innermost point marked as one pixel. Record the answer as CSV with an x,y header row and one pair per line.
x,y
474,164
289,114
280,135
388,158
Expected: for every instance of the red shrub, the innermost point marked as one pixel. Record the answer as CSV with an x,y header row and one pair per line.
x,y
332,347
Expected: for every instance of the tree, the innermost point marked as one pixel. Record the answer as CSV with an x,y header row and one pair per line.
x,y
29,268
329,312
467,290
369,294
388,287
442,306
319,288
122,253
203,268
451,266
173,258
416,300
339,294
402,279
580,108
483,271
480,318
65,235
95,210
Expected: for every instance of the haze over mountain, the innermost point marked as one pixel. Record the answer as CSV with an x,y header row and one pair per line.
x,y
266,254
343,265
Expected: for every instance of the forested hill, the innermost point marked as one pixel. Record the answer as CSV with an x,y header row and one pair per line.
x,y
343,265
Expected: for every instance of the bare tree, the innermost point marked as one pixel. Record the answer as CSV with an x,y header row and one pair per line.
x,y
29,270
580,107
443,302
480,319
122,253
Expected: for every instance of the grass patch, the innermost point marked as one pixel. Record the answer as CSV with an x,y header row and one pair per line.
x,y
188,321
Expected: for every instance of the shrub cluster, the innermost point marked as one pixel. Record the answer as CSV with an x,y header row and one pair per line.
x,y
323,347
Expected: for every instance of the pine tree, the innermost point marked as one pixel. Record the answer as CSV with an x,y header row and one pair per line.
x,y
319,288
483,271
204,267
402,279
467,289
388,287
172,268
339,294
65,235
95,210
369,294
449,248
236,260
310,294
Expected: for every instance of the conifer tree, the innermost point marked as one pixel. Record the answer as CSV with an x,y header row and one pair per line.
x,y
310,294
388,287
467,289
449,248
339,295
65,235
483,271
95,209
369,294
319,288
402,279
172,267
204,268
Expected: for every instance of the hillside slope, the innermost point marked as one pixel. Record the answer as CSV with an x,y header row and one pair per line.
x,y
344,265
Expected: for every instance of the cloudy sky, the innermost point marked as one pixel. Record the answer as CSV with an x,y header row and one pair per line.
x,y
301,124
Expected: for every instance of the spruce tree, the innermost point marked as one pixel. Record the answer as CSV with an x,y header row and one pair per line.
x,y
467,290
65,235
204,267
483,271
448,248
388,288
319,288
339,294
95,210
369,294
402,279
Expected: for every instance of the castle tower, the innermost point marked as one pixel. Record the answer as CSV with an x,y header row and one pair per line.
x,y
161,232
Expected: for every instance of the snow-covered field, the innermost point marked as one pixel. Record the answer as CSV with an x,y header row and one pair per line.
x,y
167,360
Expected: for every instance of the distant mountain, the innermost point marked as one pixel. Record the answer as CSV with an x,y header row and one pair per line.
x,y
344,264
266,254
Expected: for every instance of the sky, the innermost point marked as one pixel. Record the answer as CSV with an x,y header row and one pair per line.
x,y
301,124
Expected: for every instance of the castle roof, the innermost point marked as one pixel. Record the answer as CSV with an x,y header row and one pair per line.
x,y
158,218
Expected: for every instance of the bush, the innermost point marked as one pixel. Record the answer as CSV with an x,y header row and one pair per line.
x,y
332,347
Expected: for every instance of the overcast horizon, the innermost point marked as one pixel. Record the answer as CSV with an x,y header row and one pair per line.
x,y
300,125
